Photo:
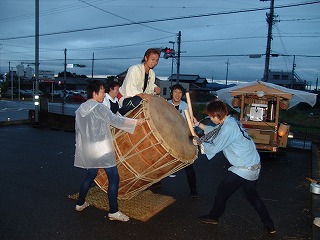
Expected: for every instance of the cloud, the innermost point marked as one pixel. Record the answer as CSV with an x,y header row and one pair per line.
x,y
204,39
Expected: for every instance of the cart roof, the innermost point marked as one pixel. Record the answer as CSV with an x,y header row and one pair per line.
x,y
295,96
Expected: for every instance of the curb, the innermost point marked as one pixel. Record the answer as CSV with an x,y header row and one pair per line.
x,y
315,199
15,122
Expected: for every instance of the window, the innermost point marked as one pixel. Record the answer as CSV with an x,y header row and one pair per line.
x,y
164,91
285,77
276,76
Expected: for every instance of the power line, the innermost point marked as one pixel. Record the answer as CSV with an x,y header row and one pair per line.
x,y
118,16
248,55
165,19
65,8
182,56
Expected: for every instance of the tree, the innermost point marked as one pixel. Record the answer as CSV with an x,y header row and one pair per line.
x,y
71,75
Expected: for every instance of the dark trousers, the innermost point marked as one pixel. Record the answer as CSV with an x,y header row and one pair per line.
x,y
191,176
113,184
228,186
129,104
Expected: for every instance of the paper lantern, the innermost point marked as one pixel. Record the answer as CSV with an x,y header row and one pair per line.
x,y
260,94
283,129
236,102
284,104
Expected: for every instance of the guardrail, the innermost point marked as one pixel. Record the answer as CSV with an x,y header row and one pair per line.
x,y
307,133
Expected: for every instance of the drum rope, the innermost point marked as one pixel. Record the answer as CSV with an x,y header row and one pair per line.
x,y
121,158
120,132
160,167
142,175
151,181
134,147
137,113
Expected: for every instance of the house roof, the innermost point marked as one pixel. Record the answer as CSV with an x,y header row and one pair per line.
x,y
217,86
190,78
78,81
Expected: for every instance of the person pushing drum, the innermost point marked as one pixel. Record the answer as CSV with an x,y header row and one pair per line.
x,y
94,146
139,82
177,92
230,137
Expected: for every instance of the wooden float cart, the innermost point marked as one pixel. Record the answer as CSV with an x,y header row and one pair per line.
x,y
259,114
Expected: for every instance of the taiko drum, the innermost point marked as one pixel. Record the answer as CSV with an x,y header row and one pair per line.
x,y
155,150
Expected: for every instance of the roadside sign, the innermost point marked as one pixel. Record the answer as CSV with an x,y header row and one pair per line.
x,y
46,74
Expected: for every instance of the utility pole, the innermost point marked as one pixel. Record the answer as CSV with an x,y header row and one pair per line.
x,y
227,72
211,76
178,58
270,21
92,65
0,56
64,80
293,69
293,64
172,63
11,77
36,96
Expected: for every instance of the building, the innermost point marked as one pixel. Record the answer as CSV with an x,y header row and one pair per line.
x,y
288,79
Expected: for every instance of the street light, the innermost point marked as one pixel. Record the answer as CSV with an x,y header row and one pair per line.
x,y
172,62
65,77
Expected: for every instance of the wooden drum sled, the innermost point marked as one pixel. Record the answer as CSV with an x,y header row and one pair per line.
x,y
157,148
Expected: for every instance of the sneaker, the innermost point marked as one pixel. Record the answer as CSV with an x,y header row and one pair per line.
x,y
271,229
208,219
79,208
316,221
118,216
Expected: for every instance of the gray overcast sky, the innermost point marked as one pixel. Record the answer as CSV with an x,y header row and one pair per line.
x,y
112,31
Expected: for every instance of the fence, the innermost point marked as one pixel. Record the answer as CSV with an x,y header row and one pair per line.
x,y
304,136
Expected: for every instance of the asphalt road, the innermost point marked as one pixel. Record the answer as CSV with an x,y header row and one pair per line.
x,y
19,110
37,175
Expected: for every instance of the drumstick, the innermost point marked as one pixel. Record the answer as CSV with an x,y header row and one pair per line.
x,y
189,122
312,180
189,106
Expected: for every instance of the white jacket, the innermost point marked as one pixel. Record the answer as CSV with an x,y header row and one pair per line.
x,y
94,143
134,81
107,102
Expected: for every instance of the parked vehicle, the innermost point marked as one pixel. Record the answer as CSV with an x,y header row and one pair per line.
x,y
9,93
77,97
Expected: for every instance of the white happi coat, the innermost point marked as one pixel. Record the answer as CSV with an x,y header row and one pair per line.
x,y
134,81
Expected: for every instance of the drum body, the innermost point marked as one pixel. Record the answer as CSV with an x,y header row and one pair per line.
x,y
155,150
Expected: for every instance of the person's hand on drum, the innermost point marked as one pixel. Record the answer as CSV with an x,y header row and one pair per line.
x,y
140,121
198,124
195,122
157,90
145,96
194,140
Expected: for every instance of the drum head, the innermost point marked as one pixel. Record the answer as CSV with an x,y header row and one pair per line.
x,y
171,128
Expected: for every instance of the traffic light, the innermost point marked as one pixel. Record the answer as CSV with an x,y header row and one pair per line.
x,y
60,84
168,53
